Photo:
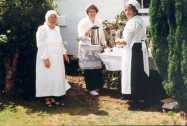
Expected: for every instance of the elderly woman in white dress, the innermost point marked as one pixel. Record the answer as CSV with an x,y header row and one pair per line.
x,y
135,66
89,62
50,72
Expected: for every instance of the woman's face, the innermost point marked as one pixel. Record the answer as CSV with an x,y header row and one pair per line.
x,y
92,13
52,20
129,12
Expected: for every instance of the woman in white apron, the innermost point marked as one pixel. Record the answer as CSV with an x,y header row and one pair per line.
x,y
89,61
135,66
50,72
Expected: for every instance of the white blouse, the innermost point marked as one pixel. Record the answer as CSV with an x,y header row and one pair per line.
x,y
48,38
134,31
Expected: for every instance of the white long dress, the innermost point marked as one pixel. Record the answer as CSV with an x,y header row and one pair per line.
x,y
50,81
134,32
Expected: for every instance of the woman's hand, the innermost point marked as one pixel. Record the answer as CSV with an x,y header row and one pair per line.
x,y
47,63
66,57
120,42
88,33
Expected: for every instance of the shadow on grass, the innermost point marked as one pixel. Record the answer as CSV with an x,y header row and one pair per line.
x,y
78,102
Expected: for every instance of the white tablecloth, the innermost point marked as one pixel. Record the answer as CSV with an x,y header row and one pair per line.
x,y
112,59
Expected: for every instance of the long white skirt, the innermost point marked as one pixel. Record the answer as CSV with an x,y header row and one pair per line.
x,y
51,82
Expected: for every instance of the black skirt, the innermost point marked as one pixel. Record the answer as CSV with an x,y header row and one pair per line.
x,y
139,79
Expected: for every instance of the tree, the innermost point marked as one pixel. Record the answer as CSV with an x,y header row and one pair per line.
x,y
182,19
158,32
19,21
174,15
174,43
3,40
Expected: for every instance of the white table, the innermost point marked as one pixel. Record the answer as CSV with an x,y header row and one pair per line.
x,y
112,59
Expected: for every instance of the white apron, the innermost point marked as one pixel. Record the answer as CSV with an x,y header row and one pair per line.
x,y
126,66
134,32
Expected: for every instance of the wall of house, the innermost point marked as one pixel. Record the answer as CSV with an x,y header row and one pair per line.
x,y
72,11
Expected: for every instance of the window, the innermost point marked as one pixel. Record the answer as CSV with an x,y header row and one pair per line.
x,y
144,3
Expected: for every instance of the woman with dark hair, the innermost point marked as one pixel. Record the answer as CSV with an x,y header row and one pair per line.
x,y
135,69
89,62
92,7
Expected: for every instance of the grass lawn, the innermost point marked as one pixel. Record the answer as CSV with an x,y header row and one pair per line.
x,y
82,109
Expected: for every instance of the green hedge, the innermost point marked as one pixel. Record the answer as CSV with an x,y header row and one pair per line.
x,y
169,36
19,21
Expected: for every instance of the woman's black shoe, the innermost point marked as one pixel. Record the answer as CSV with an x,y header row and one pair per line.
x,y
136,105
125,97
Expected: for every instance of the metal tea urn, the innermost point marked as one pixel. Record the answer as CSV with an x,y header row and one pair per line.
x,y
95,35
